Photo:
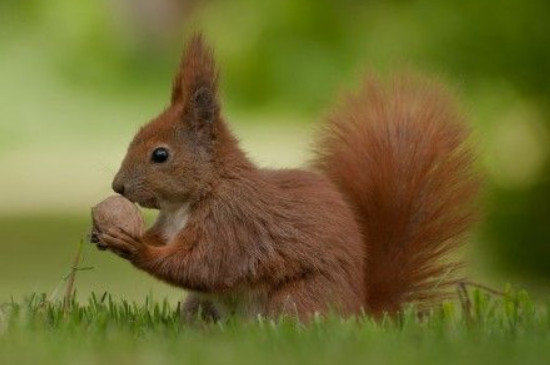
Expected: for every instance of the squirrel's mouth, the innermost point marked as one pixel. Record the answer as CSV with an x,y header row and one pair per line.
x,y
144,202
149,204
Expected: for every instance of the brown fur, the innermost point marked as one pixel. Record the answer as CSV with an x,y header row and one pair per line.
x,y
248,241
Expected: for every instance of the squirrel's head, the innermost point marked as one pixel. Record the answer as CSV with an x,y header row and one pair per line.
x,y
173,157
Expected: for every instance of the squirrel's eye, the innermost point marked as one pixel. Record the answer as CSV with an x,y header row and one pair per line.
x,y
159,155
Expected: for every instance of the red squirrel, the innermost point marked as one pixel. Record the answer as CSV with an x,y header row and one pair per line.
x,y
367,228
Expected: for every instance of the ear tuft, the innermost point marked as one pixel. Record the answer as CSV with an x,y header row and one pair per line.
x,y
203,97
196,84
204,104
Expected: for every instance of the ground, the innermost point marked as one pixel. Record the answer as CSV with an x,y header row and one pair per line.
x,y
127,326
504,330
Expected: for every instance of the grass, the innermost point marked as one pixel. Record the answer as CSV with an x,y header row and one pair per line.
x,y
506,330
129,326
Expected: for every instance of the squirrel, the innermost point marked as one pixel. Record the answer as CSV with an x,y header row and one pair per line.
x,y
368,227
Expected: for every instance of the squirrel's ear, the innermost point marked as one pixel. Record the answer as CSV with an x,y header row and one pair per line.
x,y
196,84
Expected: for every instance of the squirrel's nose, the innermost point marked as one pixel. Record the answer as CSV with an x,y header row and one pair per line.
x,y
118,187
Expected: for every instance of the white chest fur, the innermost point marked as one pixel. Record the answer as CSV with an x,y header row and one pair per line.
x,y
173,220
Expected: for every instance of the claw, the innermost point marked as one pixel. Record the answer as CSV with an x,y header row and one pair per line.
x,y
93,237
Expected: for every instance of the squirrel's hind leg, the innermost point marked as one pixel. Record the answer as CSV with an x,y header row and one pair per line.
x,y
196,309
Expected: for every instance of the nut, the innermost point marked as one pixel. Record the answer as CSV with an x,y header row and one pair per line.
x,y
116,212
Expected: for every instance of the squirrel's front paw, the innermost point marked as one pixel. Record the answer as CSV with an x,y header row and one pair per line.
x,y
117,226
121,243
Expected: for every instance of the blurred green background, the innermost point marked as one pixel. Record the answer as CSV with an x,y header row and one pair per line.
x,y
77,78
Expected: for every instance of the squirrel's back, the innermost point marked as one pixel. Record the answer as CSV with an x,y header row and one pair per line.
x,y
400,154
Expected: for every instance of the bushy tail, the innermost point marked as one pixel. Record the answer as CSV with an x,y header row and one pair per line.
x,y
400,154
